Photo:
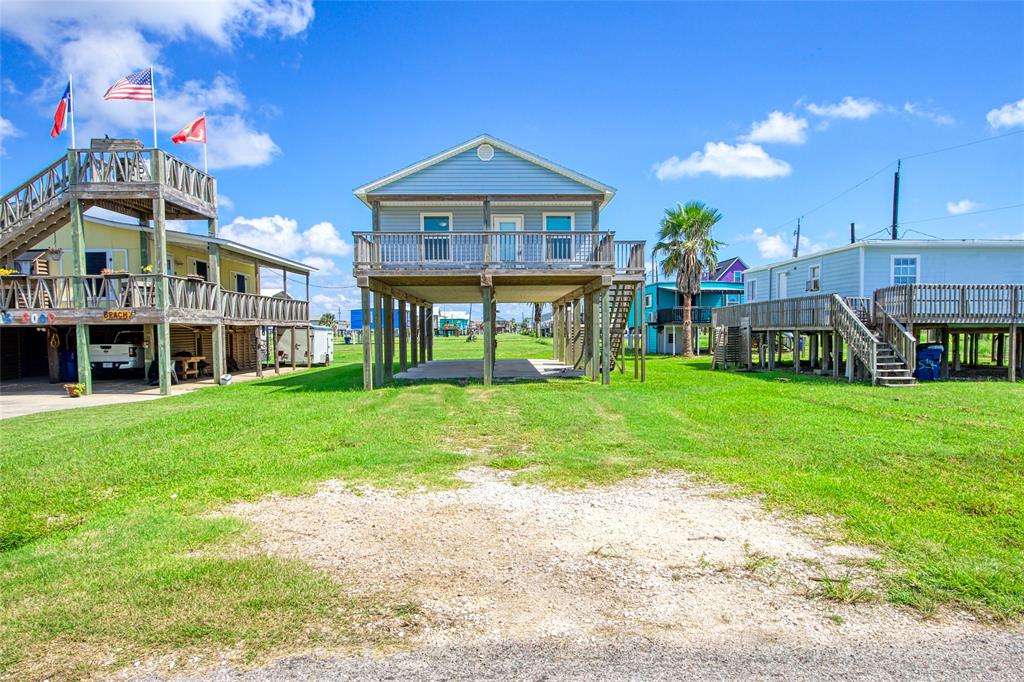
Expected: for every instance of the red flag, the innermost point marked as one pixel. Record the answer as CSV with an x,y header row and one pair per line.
x,y
193,132
63,112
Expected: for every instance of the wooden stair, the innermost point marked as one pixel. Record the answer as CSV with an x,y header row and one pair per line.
x,y
34,210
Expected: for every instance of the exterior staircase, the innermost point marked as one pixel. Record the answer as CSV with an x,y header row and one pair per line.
x,y
890,369
34,210
622,295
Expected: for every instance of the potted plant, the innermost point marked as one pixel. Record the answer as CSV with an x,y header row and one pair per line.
x,y
75,390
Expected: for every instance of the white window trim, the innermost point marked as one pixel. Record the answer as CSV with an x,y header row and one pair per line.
x,y
648,300
737,276
810,278
892,266
110,256
753,289
248,281
519,219
437,214
558,214
778,286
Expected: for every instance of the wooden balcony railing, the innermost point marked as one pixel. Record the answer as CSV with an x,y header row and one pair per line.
x,y
84,167
481,249
804,312
263,308
676,315
630,257
138,292
954,303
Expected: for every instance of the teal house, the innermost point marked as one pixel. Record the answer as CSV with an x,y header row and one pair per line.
x,y
664,311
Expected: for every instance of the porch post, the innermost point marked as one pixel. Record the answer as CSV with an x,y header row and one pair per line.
x,y
163,328
388,327
944,363
771,351
589,325
796,351
430,331
488,336
364,338
414,336
309,329
273,349
606,336
594,332
1012,359
80,298
378,339
403,359
424,321
638,315
213,275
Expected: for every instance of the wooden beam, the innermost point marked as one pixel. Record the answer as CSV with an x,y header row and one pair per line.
x,y
414,336
378,339
606,339
1011,364
364,338
388,327
488,299
403,330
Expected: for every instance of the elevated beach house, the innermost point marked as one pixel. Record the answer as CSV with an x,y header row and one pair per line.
x,y
877,300
189,301
484,222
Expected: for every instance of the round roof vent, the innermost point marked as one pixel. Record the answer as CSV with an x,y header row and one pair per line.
x,y
485,152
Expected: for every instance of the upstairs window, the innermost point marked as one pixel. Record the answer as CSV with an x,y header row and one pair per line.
x,y
436,246
737,276
558,248
648,301
904,270
814,278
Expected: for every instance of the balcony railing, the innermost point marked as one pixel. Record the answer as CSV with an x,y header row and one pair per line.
x,y
676,315
138,292
954,303
475,250
804,312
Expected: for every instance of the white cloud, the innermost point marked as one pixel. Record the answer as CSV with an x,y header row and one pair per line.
x,y
78,37
225,202
233,143
1007,116
778,246
962,206
848,107
744,160
274,234
324,266
778,127
935,117
323,238
7,130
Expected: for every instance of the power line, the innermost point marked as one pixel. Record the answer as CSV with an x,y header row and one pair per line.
x,y
960,215
889,165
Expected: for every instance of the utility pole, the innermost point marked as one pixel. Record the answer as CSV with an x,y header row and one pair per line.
x,y
853,233
896,200
796,246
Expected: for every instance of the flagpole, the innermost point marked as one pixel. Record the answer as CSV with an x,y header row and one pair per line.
x,y
71,106
206,132
152,83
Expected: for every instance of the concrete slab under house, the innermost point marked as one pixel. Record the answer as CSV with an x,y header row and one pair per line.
x,y
486,222
172,305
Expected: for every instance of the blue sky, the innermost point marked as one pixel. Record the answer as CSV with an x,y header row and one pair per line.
x,y
763,111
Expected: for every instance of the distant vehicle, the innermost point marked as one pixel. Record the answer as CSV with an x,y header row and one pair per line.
x,y
124,353
323,346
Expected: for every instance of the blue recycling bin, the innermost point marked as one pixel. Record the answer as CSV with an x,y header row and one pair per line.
x,y
929,362
68,363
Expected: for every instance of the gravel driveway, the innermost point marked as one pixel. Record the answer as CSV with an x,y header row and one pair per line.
x,y
655,578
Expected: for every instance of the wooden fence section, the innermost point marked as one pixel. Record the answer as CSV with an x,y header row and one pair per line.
x,y
954,303
138,292
484,249
805,313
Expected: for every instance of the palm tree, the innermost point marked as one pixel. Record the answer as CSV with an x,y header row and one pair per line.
x,y
326,320
688,251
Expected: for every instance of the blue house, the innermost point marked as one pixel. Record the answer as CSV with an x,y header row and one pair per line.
x,y
483,222
876,301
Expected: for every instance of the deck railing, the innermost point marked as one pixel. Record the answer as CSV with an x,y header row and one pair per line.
x,y
896,335
483,249
238,306
676,315
92,166
630,257
138,291
804,312
861,342
954,303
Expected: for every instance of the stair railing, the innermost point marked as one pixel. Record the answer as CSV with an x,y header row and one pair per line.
x,y
861,341
896,335
25,199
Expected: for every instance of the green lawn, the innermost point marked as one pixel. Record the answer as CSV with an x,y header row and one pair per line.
x,y
108,550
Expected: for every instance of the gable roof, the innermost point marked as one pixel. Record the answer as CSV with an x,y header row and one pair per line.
x,y
722,267
598,187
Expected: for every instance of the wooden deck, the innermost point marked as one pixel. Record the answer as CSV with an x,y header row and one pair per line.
x,y
882,333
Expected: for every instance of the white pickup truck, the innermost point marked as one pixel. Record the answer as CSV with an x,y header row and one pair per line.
x,y
124,353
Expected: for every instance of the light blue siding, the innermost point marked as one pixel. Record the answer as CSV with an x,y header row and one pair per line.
x,y
466,174
861,270
406,218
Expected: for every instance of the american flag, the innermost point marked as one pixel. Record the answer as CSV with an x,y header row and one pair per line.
x,y
138,85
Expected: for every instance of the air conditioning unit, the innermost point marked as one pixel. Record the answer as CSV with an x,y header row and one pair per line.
x,y
652,316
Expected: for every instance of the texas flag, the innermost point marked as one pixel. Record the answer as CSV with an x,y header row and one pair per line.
x,y
63,113
193,132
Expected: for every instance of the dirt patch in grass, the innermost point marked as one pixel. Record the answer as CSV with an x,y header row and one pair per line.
x,y
660,557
